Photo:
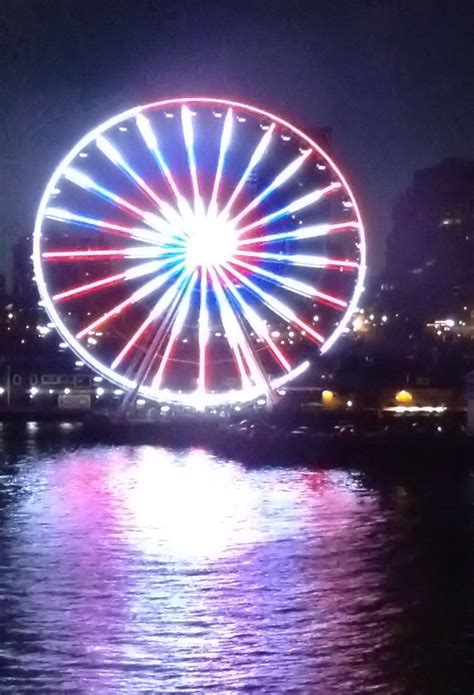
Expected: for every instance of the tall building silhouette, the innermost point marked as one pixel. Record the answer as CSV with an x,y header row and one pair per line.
x,y
430,251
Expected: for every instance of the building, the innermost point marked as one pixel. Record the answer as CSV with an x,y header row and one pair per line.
x,y
24,291
430,252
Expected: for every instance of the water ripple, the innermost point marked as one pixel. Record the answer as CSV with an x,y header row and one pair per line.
x,y
151,570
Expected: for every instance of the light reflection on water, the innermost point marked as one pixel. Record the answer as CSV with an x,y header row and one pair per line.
x,y
147,570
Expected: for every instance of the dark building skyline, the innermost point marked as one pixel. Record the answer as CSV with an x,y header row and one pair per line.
x,y
23,286
430,250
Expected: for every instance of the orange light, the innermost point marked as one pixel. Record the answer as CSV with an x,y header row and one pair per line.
x,y
404,397
327,397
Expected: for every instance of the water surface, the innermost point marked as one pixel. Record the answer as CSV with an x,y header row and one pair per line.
x,y
145,569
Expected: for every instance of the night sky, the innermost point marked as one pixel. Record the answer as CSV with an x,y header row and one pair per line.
x,y
392,79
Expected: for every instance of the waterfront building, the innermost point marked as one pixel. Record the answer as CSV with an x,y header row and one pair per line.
x,y
430,251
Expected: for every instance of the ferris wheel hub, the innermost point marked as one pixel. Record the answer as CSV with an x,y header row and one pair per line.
x,y
210,242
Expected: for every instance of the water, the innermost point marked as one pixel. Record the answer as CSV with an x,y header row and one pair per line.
x,y
142,569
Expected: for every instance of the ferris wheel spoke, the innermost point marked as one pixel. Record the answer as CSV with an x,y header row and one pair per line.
x,y
137,296
234,346
237,339
305,260
172,293
293,285
275,305
296,286
311,232
176,329
147,236
90,287
277,182
298,204
151,219
255,321
125,276
116,157
151,141
143,363
224,146
133,253
254,160
203,331
188,134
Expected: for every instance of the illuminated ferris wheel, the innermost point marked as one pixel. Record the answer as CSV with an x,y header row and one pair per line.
x,y
198,250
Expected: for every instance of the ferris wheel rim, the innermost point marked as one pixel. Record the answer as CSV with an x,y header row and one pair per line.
x,y
231,396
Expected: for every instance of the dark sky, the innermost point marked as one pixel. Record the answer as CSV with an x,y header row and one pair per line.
x,y
394,79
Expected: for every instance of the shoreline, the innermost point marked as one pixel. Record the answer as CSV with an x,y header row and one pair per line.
x,y
260,442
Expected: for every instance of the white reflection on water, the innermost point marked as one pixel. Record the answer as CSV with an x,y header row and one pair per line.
x,y
193,507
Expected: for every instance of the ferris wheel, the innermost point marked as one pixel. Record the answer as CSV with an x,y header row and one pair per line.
x,y
199,251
